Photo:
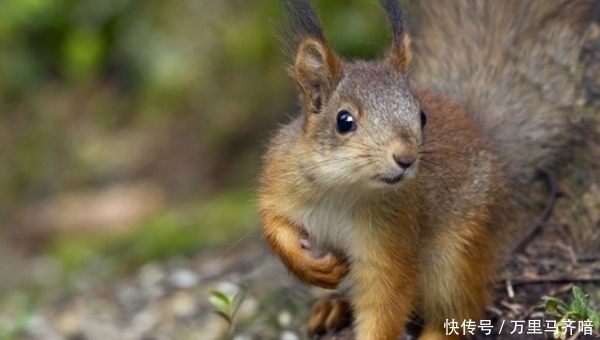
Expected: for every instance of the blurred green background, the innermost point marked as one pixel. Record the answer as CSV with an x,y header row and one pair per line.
x,y
134,129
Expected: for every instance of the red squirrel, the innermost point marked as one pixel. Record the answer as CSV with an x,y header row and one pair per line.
x,y
407,188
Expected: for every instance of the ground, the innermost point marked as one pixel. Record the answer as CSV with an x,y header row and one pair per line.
x,y
168,298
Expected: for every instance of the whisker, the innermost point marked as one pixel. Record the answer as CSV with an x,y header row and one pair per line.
x,y
442,165
440,178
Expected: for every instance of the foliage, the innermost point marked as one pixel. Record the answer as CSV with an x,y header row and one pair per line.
x,y
43,38
227,306
16,313
577,310
183,230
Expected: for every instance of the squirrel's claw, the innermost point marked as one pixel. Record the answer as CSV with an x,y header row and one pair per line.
x,y
332,312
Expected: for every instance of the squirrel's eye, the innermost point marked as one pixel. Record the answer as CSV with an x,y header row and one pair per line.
x,y
345,122
423,119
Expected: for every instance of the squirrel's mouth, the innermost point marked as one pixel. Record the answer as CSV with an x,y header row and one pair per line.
x,y
391,180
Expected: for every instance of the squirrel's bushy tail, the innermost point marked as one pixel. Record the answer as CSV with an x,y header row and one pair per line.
x,y
513,65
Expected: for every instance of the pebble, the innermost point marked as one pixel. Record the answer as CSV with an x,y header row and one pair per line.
x,y
130,298
184,279
284,318
182,304
150,274
287,335
213,327
248,308
69,322
150,277
143,322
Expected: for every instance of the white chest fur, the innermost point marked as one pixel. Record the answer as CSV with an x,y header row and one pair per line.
x,y
330,222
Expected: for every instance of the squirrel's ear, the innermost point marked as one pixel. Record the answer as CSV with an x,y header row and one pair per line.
x,y
317,70
400,53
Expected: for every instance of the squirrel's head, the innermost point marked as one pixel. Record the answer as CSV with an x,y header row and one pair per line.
x,y
361,126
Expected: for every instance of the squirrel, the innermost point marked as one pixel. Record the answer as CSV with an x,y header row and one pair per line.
x,y
408,187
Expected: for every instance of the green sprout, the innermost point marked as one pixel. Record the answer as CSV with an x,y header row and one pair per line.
x,y
578,310
227,306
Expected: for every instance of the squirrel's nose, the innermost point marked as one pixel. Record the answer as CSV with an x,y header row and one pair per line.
x,y
404,160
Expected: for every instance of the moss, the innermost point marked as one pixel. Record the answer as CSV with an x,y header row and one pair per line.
x,y
180,230
16,312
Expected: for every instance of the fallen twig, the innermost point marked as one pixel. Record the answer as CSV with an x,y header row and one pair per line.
x,y
542,218
552,280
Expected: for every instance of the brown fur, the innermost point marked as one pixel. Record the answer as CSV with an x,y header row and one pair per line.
x,y
512,64
428,242
318,71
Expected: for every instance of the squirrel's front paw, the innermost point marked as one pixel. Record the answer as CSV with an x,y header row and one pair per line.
x,y
325,272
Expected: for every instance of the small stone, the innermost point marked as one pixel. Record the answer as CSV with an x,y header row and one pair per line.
x,y
287,335
227,288
69,322
537,315
182,304
143,322
128,296
184,279
242,337
284,318
213,327
248,308
149,275
150,279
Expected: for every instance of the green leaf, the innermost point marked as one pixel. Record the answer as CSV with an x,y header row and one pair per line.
x,y
580,296
220,301
555,306
575,307
574,315
580,300
218,304
551,307
562,309
220,295
595,318
82,53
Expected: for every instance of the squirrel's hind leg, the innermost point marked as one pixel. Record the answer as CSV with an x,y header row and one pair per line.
x,y
436,334
330,313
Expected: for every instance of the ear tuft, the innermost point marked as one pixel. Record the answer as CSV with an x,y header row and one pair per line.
x,y
400,54
315,66
317,71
